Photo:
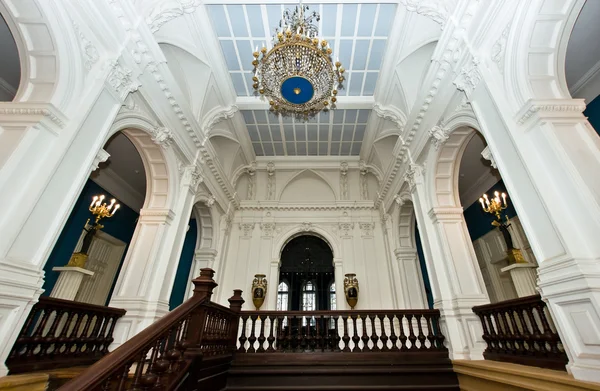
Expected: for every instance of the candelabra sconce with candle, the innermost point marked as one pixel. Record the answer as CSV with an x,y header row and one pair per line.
x,y
101,211
259,290
351,289
495,206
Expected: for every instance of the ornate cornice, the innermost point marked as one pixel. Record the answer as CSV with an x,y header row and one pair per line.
x,y
88,50
487,155
169,10
257,205
9,109
101,157
223,182
120,79
499,48
468,78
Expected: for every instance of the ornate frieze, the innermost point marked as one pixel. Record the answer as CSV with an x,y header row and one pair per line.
x,y
344,181
217,117
364,170
439,136
270,181
390,114
195,176
210,201
414,171
162,136
306,227
88,50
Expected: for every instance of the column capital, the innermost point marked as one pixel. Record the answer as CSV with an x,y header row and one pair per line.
x,y
205,253
405,252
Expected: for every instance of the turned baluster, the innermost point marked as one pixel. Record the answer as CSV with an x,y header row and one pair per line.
x,y
384,334
346,337
438,332
271,337
243,338
429,336
135,383
549,338
421,337
374,336
50,338
261,336
364,338
411,337
325,333
515,334
536,341
494,337
252,338
280,347
302,343
317,338
288,338
355,337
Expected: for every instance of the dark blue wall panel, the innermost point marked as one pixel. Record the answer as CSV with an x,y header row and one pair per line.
x,y
593,113
120,226
185,264
421,257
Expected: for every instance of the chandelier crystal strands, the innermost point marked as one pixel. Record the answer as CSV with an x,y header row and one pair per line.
x,y
297,75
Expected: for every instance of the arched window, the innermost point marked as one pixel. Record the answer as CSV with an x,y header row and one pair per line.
x,y
283,292
309,296
332,302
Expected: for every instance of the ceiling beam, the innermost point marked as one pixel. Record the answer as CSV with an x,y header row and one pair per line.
x,y
344,103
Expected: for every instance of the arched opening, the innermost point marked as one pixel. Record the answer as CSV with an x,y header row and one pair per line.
x,y
306,275
122,176
10,66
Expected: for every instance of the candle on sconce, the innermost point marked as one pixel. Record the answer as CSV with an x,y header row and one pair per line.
x,y
482,203
99,202
115,209
504,198
93,201
112,203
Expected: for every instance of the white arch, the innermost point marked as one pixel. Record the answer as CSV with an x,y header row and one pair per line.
x,y
535,58
315,230
159,165
48,51
206,221
406,223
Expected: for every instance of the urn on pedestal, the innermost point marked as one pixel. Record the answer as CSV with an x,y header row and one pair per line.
x,y
351,289
259,290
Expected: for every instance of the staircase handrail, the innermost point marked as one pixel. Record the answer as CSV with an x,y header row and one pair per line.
x,y
164,350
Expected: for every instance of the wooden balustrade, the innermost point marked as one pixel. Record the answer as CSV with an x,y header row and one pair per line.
x,y
159,356
340,331
62,333
521,331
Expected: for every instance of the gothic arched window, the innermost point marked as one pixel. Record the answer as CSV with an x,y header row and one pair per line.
x,y
332,302
283,293
309,296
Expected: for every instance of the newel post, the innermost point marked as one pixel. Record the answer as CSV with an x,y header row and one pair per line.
x,y
235,304
203,289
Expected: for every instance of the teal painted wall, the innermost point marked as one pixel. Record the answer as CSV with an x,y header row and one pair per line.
x,y
592,111
478,222
120,226
185,264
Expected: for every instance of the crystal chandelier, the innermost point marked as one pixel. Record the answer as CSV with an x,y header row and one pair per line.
x,y
297,75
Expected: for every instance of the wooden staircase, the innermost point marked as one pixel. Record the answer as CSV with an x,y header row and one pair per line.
x,y
339,371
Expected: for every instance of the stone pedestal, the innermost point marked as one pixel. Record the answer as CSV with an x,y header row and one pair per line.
x,y
524,277
68,282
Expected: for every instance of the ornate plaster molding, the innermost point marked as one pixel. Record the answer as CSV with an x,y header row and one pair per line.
x,y
88,50
344,181
413,172
433,9
169,10
251,171
551,108
366,229
487,155
101,157
247,229
210,201
306,227
398,199
223,183
218,116
268,229
364,170
196,177
32,111
258,206
120,79
162,136
390,114
439,135
270,181
499,48
468,78
346,229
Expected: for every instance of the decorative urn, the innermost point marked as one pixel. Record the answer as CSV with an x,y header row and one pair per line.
x,y
351,289
259,290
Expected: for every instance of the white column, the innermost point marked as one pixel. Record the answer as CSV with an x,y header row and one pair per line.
x,y
68,282
340,296
410,278
524,278
453,271
273,280
145,282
